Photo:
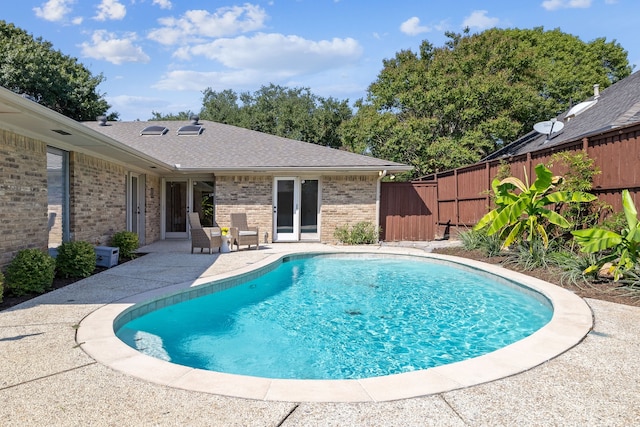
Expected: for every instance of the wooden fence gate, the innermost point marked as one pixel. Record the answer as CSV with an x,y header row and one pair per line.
x,y
406,211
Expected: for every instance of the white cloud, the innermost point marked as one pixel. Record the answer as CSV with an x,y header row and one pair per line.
x,y
110,10
289,55
412,27
479,19
188,80
199,24
566,4
164,4
106,46
54,10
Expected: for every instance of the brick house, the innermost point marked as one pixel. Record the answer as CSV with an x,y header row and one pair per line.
x,y
61,180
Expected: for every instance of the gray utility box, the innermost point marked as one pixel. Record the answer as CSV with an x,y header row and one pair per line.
x,y
107,256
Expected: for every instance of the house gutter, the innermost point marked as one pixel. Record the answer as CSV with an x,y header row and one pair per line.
x,y
381,175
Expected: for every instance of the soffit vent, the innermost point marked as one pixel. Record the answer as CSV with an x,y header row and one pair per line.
x,y
154,130
61,132
190,130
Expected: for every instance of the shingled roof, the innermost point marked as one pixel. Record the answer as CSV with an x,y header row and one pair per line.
x,y
616,106
219,147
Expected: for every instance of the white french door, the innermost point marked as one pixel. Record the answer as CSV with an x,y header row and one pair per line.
x,y
295,209
136,205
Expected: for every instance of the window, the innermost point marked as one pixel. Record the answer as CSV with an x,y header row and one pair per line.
x,y
190,130
58,196
154,130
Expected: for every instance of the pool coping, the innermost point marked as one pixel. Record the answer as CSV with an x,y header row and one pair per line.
x,y
571,322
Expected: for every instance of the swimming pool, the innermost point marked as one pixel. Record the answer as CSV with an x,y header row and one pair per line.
x,y
342,317
571,321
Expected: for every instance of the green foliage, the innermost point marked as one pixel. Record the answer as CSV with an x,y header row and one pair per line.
x,y
31,271
579,171
623,248
573,267
127,242
530,255
449,106
75,259
288,112
182,115
361,233
490,245
1,285
31,66
524,215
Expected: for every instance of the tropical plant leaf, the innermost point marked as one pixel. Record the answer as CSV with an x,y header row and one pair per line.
x,y
501,220
544,179
556,218
630,212
487,219
545,238
515,182
513,235
596,239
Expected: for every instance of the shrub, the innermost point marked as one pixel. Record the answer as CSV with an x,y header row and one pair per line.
x,y
1,285
127,242
362,233
31,271
490,245
75,259
530,255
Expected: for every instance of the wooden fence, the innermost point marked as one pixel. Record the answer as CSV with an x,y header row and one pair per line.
x,y
460,197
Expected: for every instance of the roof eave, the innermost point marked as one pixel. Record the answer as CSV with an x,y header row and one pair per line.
x,y
297,169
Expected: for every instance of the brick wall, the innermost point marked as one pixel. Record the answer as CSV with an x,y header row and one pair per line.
x,y
153,207
346,200
97,199
23,195
249,194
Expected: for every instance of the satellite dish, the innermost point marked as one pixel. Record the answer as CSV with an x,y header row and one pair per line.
x,y
548,127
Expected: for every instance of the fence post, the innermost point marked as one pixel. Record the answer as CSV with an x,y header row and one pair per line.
x,y
488,181
457,212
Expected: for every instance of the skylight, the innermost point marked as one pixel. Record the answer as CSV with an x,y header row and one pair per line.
x,y
190,130
154,130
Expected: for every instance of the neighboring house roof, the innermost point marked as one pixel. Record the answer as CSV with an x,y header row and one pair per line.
x,y
616,106
224,148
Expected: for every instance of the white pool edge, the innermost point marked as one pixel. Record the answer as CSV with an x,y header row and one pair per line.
x,y
571,321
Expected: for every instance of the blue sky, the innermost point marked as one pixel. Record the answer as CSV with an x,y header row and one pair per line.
x,y
159,55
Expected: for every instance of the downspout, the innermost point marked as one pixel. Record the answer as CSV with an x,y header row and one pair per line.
x,y
381,175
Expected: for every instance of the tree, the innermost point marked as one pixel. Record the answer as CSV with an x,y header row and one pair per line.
x,y
182,115
288,112
32,67
446,107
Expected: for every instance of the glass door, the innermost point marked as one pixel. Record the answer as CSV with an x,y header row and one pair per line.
x,y
136,205
285,210
175,210
295,209
309,212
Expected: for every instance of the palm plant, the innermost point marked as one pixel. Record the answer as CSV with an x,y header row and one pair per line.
x,y
523,216
624,246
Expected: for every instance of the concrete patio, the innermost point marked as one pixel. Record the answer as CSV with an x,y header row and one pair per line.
x,y
47,379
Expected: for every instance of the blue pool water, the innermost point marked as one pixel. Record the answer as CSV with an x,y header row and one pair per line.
x,y
341,317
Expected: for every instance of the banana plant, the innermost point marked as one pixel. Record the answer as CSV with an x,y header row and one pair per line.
x,y
523,215
625,247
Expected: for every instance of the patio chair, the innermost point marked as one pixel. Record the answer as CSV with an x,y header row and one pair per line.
x,y
241,233
207,237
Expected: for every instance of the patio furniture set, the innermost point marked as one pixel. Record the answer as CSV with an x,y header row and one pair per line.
x,y
213,238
